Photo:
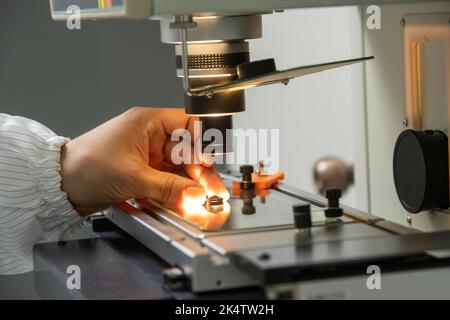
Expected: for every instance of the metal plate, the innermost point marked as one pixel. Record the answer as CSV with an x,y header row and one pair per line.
x,y
272,211
282,76
277,238
294,262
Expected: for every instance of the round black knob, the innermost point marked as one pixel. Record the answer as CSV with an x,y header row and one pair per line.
x,y
255,68
331,172
421,173
302,216
333,210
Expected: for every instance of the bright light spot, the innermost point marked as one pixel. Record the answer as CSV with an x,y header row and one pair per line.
x,y
191,201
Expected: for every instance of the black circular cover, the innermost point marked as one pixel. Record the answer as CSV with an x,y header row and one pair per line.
x,y
421,174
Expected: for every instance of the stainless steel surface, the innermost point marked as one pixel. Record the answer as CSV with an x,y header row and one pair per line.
x,y
226,244
272,211
233,257
427,283
205,269
348,251
350,212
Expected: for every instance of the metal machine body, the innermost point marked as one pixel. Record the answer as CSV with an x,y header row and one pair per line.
x,y
328,260
265,249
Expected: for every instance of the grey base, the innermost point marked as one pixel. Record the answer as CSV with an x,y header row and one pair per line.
x,y
113,266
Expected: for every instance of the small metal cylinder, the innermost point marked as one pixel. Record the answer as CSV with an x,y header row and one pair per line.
x,y
214,204
217,138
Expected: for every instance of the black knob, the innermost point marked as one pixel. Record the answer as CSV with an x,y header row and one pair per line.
x,y
302,216
421,170
255,68
333,210
246,171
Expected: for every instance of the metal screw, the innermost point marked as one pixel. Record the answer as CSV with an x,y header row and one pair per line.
x,y
409,219
405,122
403,22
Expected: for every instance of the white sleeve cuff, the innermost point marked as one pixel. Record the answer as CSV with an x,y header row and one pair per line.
x,y
33,207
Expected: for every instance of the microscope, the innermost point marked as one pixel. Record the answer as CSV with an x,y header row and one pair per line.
x,y
290,243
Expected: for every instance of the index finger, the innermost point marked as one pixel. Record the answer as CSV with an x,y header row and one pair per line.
x,y
209,179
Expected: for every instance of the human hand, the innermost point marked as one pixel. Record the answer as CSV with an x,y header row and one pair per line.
x,y
130,157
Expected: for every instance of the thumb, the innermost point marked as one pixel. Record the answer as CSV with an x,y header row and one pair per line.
x,y
169,189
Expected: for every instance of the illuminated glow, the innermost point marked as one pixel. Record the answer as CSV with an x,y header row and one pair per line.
x,y
192,201
247,86
193,208
197,172
204,219
225,195
206,17
222,75
211,191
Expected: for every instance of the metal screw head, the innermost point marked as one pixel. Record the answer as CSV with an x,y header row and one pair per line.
x,y
409,219
246,169
403,22
405,122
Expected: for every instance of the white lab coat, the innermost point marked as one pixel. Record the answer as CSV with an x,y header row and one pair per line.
x,y
32,206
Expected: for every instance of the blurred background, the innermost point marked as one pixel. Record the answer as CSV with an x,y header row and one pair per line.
x,y
74,80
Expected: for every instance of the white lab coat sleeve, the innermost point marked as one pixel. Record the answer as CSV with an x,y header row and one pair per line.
x,y
33,208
